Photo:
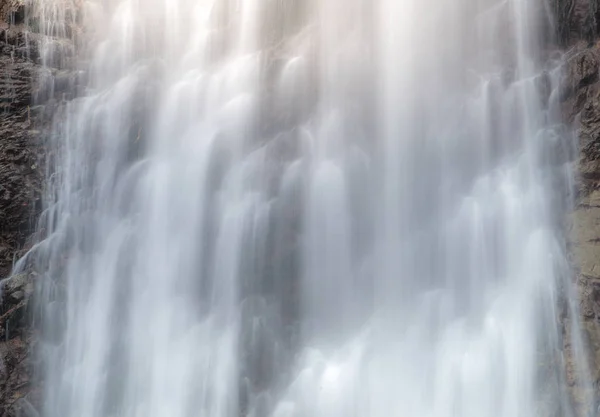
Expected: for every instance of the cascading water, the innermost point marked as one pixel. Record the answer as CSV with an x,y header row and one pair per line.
x,y
304,208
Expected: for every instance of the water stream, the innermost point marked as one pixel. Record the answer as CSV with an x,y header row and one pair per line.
x,y
305,208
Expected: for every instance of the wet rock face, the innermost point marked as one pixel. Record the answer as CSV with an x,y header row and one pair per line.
x,y
576,20
11,11
578,36
579,84
19,146
580,94
18,387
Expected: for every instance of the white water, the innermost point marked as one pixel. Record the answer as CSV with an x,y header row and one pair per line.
x,y
306,208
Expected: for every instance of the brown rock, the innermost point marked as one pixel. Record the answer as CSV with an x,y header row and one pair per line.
x,y
576,20
21,146
582,70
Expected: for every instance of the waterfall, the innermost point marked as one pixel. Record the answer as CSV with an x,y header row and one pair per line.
x,y
304,208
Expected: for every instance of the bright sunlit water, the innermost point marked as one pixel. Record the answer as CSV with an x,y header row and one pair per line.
x,y
305,208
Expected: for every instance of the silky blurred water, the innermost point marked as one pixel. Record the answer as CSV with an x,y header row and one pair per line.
x,y
305,208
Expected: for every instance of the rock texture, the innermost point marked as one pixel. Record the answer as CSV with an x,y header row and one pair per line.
x,y
11,10
21,147
578,30
19,390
